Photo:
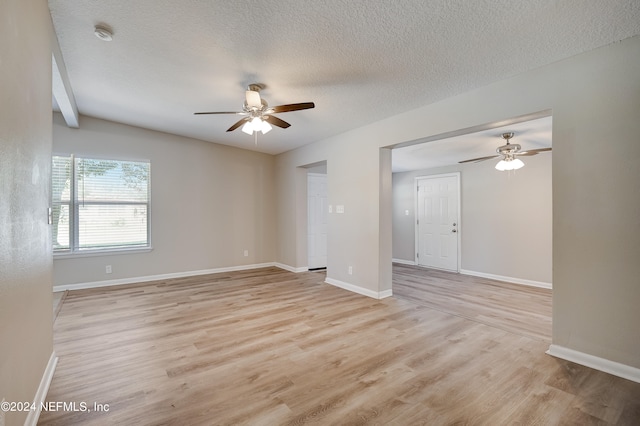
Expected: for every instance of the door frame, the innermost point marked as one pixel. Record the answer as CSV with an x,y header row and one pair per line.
x,y
415,222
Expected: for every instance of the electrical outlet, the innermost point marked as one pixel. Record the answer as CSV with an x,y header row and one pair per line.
x,y
350,270
246,253
108,269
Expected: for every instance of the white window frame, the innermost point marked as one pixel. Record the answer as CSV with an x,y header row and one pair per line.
x,y
74,249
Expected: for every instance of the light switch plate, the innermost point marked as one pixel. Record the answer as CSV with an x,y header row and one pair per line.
x,y
340,209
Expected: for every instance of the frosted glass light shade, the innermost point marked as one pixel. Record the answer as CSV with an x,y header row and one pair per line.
x,y
502,165
509,164
265,127
256,125
248,128
517,164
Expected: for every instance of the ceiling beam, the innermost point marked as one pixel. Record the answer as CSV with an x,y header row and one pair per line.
x,y
61,87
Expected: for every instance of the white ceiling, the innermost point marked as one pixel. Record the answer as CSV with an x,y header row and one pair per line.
x,y
358,60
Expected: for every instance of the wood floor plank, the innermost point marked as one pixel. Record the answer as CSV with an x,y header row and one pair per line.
x,y
270,347
512,307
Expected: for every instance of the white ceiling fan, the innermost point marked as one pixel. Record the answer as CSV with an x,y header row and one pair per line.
x,y
509,152
258,115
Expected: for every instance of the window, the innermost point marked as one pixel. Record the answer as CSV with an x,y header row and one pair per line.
x,y
99,204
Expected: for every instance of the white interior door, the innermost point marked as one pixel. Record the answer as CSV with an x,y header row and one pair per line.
x,y
317,211
437,221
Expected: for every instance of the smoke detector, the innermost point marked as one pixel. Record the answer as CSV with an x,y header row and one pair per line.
x,y
103,33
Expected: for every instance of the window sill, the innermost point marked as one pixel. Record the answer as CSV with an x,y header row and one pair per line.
x,y
107,252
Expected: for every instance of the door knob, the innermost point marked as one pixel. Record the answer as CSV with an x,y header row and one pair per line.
x,y
453,230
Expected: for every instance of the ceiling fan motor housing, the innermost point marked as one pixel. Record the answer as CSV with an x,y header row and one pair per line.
x,y
509,148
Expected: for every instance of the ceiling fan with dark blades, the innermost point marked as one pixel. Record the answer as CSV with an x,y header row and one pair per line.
x,y
508,152
258,115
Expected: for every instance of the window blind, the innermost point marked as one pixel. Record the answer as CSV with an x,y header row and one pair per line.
x,y
61,202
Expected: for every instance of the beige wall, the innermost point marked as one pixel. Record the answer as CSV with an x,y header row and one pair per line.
x,y
505,226
356,187
26,341
595,100
209,202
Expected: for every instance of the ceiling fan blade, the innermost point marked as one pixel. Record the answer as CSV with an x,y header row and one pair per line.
x,y
238,124
223,112
477,160
276,121
531,152
292,107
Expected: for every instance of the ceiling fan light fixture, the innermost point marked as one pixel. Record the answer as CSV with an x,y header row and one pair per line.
x,y
509,164
256,124
501,166
265,127
517,164
248,128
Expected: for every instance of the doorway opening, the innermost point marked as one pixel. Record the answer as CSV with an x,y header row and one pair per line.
x,y
317,217
504,226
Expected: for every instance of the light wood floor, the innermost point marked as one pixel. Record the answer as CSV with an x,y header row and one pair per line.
x,y
270,347
512,307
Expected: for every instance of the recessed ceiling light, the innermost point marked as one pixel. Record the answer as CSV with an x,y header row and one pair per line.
x,y
103,33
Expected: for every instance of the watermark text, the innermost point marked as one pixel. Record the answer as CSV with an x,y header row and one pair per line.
x,y
73,406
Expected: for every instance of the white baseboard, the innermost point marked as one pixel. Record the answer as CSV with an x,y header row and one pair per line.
x,y
507,279
43,389
404,262
291,268
134,280
611,367
359,290
385,293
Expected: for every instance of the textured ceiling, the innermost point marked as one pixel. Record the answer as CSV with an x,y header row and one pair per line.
x,y
358,60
